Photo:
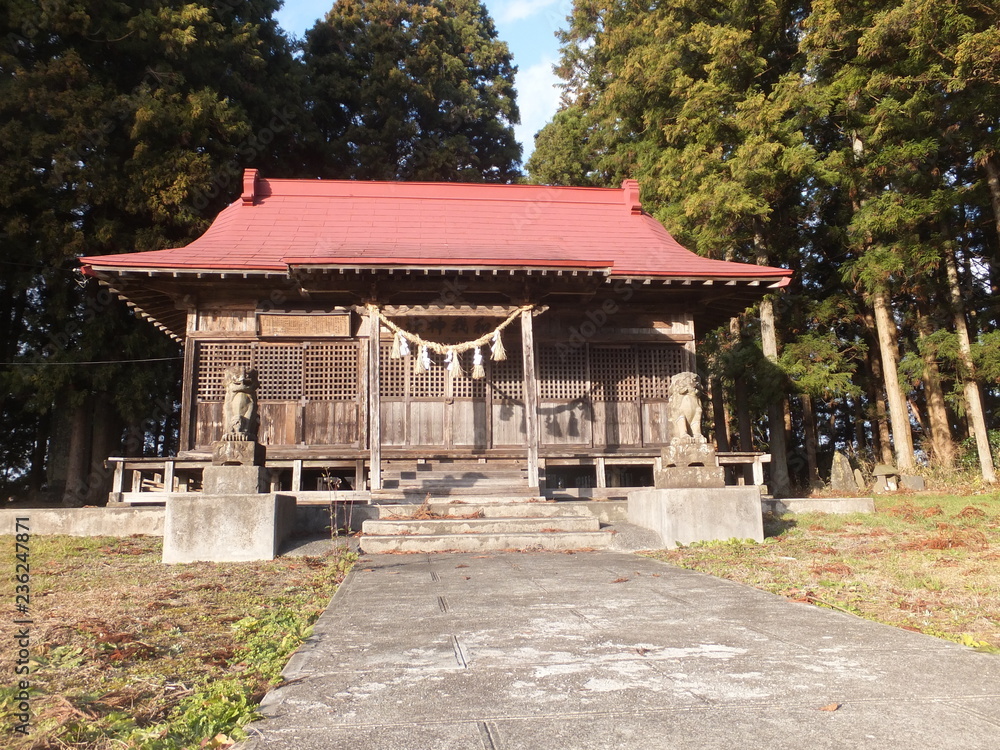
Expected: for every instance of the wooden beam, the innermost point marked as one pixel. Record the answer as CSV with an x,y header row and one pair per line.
x,y
442,310
374,405
530,395
188,405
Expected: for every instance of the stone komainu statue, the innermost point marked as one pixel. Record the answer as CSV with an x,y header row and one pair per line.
x,y
684,406
239,410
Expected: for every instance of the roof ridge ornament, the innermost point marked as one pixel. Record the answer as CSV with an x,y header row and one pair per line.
x,y
631,190
249,186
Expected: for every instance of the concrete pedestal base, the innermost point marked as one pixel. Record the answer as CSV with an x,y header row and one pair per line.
x,y
683,516
226,528
681,477
234,480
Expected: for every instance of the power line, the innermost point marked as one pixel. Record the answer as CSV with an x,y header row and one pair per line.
x,y
106,362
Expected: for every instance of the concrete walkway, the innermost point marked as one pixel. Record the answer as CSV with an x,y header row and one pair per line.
x,y
550,651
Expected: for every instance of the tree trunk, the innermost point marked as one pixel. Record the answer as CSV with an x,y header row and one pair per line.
x,y
973,397
993,180
942,447
899,416
105,441
880,424
78,456
135,440
860,436
777,413
780,483
719,414
809,427
36,475
741,402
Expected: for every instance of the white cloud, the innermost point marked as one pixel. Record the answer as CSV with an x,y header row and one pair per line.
x,y
518,10
537,99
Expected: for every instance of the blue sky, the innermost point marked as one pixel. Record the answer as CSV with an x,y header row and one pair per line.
x,y
528,27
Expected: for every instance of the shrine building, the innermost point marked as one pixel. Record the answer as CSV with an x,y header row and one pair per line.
x,y
530,330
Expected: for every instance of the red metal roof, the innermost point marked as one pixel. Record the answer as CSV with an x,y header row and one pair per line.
x,y
281,223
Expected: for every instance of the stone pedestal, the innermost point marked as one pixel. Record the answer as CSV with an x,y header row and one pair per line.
x,y
235,480
684,516
227,527
237,453
689,462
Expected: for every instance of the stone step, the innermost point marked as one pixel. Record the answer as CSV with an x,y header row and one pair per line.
x,y
528,541
450,485
440,526
488,510
457,495
452,471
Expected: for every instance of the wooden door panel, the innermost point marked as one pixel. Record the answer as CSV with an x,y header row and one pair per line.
x,y
468,423
564,424
509,424
616,424
655,423
331,423
279,422
393,423
426,424
208,423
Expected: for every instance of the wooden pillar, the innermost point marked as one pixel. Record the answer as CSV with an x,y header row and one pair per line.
x,y
168,476
374,405
188,405
118,483
530,395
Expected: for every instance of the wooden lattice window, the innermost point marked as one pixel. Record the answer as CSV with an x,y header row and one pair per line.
x,y
613,373
287,372
562,373
331,371
430,383
507,376
464,386
657,364
211,360
393,373
279,368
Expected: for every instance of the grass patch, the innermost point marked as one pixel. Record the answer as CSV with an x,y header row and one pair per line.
x,y
130,653
924,563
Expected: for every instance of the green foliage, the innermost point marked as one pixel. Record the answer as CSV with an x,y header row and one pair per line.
x,y
202,663
221,707
412,90
818,365
843,141
968,457
269,639
987,357
123,127
563,154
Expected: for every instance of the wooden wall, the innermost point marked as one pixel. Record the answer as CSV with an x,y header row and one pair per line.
x,y
603,391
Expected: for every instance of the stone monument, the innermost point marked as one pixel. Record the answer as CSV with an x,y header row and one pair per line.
x,y
842,474
234,518
237,459
688,460
690,502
